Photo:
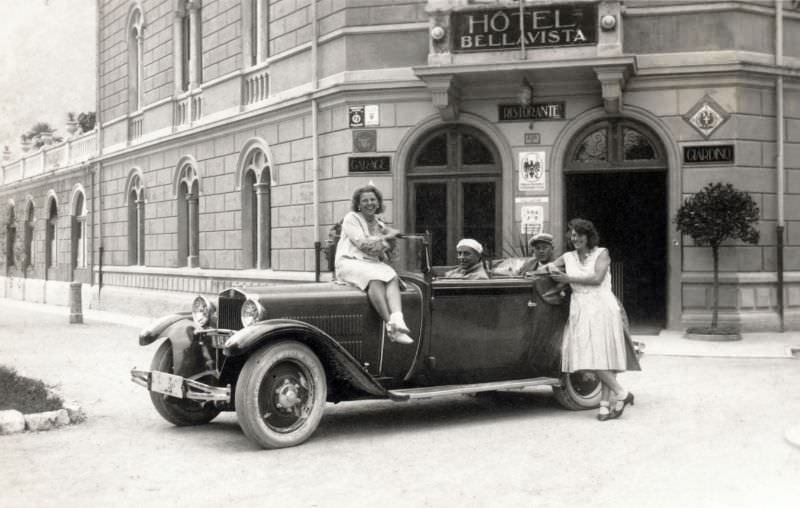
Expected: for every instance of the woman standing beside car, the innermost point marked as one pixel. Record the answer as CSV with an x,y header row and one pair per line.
x,y
361,260
594,336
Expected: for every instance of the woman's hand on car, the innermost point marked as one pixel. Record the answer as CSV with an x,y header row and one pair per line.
x,y
391,233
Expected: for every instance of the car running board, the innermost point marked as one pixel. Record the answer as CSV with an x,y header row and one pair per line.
x,y
443,391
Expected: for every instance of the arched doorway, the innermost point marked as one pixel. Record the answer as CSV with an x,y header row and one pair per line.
x,y
454,190
616,176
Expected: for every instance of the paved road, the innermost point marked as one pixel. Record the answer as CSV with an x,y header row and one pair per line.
x,y
704,432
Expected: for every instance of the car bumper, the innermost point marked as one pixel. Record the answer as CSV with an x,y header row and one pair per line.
x,y
180,387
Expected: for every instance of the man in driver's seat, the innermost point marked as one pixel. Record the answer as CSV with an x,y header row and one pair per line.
x,y
470,265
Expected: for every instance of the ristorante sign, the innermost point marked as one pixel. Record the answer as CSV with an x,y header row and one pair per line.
x,y
543,27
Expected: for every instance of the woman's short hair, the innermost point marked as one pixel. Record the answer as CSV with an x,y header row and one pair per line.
x,y
585,227
361,190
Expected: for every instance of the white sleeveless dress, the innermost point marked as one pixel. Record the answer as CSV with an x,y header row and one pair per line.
x,y
593,337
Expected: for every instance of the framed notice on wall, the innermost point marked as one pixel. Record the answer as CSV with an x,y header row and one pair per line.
x,y
531,171
532,215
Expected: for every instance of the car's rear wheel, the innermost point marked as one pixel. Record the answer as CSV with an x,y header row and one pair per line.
x,y
181,412
281,394
579,390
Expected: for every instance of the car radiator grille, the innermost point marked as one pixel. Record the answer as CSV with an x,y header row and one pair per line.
x,y
229,314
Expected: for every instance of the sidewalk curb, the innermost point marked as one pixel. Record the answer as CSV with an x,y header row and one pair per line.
x,y
16,422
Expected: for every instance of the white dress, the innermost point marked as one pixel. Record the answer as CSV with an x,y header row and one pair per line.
x,y
593,336
359,252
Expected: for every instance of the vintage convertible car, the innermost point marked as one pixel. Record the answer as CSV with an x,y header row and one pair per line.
x,y
276,354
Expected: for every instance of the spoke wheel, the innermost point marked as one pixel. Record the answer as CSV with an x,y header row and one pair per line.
x,y
180,412
579,390
280,395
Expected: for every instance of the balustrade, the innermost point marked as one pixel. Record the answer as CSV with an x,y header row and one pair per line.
x,y
135,125
255,87
72,151
188,109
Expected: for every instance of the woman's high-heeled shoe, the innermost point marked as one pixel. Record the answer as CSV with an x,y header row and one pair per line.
x,y
604,415
616,413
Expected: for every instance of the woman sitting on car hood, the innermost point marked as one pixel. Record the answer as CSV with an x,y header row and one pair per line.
x,y
360,260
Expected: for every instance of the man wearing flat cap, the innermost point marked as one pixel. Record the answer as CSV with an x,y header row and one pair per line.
x,y
542,245
469,261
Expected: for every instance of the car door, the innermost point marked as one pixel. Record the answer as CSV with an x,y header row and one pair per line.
x,y
480,329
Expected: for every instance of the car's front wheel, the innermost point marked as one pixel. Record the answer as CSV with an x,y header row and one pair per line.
x,y
180,412
281,394
579,390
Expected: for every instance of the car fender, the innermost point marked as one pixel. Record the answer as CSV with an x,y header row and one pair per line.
x,y
336,358
156,330
178,329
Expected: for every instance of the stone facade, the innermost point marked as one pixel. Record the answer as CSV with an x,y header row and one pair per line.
x,y
266,141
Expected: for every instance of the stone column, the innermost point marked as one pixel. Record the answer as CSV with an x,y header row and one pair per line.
x,y
194,232
194,44
261,31
139,69
263,227
140,232
177,60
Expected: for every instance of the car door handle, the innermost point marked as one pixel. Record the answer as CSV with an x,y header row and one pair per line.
x,y
531,304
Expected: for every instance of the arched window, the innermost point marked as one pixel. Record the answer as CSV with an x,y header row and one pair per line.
x,y
256,205
78,240
11,236
188,217
454,190
617,144
30,220
51,232
188,45
135,59
136,216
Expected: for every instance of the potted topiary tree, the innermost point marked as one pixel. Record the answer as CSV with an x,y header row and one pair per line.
x,y
717,213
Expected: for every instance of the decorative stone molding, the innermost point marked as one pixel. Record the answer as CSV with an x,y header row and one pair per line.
x,y
706,116
446,95
612,80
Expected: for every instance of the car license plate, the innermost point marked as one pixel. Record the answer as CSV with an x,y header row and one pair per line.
x,y
168,384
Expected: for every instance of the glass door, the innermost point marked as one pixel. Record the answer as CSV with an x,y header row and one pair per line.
x,y
454,191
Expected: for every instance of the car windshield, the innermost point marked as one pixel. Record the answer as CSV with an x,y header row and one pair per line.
x,y
409,254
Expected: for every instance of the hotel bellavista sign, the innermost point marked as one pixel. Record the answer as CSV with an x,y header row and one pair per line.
x,y
543,26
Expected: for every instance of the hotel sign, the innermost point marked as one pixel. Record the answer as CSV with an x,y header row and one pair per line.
x,y
708,154
543,27
528,112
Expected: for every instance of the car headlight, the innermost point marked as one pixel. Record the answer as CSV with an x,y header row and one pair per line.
x,y
252,312
202,310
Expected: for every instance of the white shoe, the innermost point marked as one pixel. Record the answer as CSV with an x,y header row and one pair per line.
x,y
400,324
396,335
401,338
